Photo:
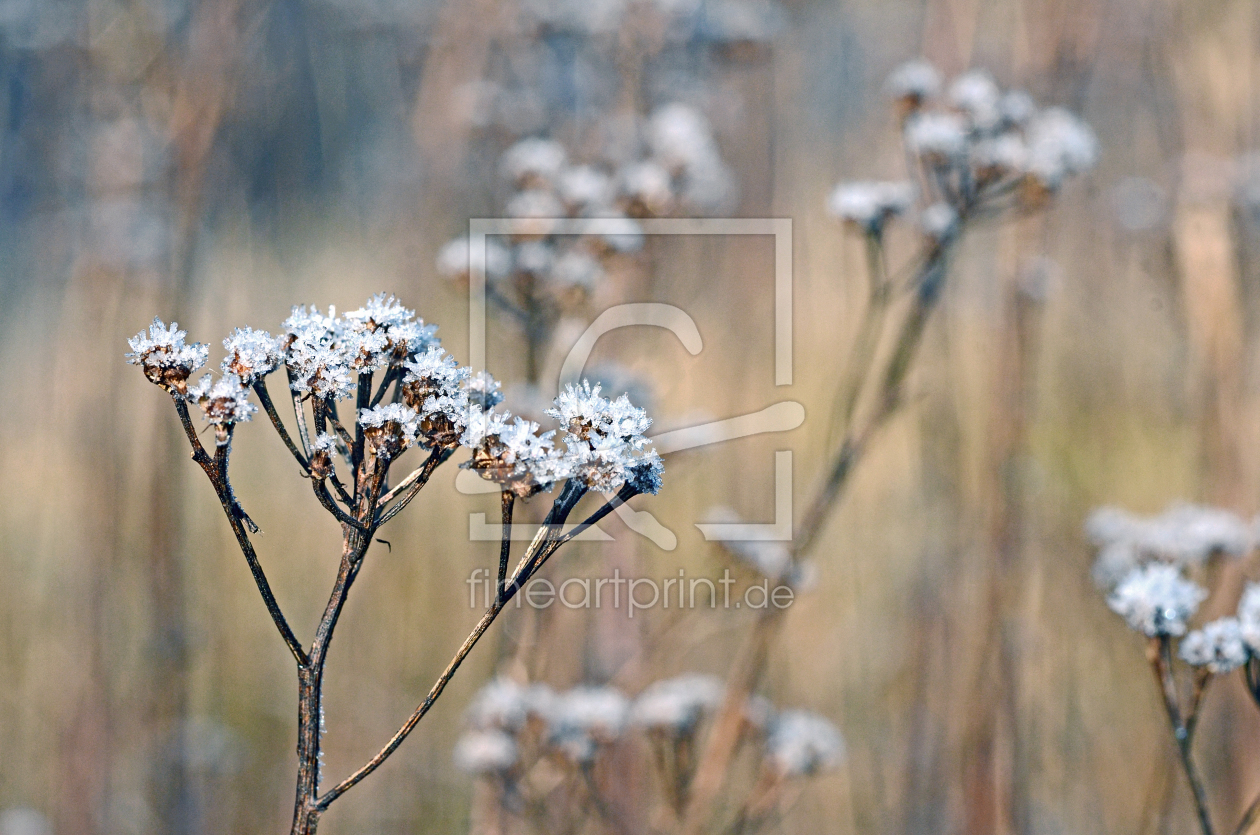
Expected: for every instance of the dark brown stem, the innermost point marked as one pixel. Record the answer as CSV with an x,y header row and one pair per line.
x,y
326,499
221,488
299,413
540,549
507,501
725,735
1160,655
413,484
264,397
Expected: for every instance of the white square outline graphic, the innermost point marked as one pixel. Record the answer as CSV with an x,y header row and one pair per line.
x,y
780,228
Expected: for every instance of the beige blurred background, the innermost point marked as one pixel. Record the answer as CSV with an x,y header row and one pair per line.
x,y
217,162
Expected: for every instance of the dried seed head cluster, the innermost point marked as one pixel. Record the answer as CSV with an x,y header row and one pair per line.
x,y
408,393
436,404
603,446
165,357
976,149
1184,535
1157,600
538,273
510,725
1144,563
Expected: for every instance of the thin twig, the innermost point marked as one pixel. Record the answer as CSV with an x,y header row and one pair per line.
x,y
260,388
1160,656
530,563
299,413
507,500
242,537
421,478
326,499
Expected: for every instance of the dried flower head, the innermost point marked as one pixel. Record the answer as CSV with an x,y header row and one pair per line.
x,y
1059,145
485,752
456,259
164,357
913,83
1219,646
436,387
676,704
1156,600
977,96
224,402
252,354
802,743
869,205
584,717
1184,535
604,440
390,428
534,162
938,138
1249,616
512,454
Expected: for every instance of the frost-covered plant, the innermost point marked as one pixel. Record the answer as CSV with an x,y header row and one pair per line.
x,y
1144,567
405,394
975,154
543,270
517,733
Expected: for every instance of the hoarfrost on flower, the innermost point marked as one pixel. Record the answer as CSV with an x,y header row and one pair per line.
x,y
164,356
457,260
1184,534
914,79
870,204
937,136
802,743
1219,646
502,703
534,158
939,221
577,269
1059,145
485,752
648,185
679,137
604,442
1249,616
583,187
677,704
224,401
1156,600
976,94
252,354
585,716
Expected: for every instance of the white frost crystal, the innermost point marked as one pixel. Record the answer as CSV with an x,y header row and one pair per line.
x,y
224,401
870,204
677,704
164,356
252,354
1156,600
485,752
802,743
1219,646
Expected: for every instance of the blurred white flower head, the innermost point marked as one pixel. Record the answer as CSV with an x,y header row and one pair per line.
x,y
1156,600
802,743
1218,646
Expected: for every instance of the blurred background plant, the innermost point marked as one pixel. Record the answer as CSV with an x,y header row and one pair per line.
x,y
217,160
